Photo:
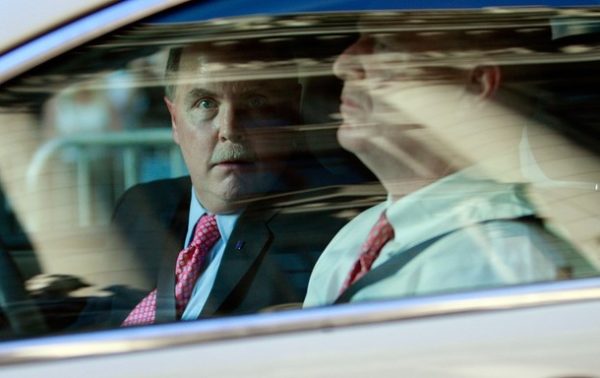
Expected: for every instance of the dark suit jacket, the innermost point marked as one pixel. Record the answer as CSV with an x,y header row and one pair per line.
x,y
280,246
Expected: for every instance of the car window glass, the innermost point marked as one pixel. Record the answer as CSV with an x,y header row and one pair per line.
x,y
474,132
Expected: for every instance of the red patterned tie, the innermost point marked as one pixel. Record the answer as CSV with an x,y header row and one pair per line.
x,y
380,234
187,271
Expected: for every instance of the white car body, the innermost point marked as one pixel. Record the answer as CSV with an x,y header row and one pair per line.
x,y
540,330
41,17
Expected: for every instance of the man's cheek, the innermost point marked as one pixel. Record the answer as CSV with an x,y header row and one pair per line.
x,y
277,113
283,140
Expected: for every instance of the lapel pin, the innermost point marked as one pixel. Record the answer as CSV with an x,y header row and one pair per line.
x,y
239,245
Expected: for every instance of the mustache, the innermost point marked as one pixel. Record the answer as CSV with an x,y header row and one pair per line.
x,y
232,152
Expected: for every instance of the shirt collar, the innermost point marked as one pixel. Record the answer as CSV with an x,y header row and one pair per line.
x,y
225,222
456,201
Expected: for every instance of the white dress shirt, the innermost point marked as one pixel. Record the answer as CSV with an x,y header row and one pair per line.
x,y
480,249
205,282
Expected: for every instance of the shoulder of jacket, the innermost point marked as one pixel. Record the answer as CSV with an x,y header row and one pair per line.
x,y
333,197
155,195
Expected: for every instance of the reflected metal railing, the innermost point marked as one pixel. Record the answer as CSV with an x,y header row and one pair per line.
x,y
129,144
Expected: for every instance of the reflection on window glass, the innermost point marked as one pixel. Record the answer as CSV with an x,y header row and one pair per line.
x,y
189,171
464,110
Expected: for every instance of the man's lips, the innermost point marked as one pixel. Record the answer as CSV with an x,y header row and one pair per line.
x,y
226,163
354,109
349,102
354,101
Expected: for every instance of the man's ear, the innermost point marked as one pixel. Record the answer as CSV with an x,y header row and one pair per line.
x,y
173,114
486,80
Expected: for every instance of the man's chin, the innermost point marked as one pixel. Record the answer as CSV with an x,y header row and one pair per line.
x,y
354,137
245,187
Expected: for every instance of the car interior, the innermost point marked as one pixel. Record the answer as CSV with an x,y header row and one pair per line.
x,y
59,183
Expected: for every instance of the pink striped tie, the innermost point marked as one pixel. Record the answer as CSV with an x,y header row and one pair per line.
x,y
187,270
379,235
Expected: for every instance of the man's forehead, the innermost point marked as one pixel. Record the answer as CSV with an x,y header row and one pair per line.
x,y
211,74
227,54
217,81
234,62
223,88
206,58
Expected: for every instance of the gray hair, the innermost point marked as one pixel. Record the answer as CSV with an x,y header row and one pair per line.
x,y
171,69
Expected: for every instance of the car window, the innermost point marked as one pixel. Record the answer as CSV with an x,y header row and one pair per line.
x,y
347,157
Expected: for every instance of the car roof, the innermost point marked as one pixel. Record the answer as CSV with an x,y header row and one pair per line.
x,y
58,26
205,10
41,16
50,14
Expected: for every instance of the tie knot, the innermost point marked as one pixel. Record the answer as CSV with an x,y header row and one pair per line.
x,y
382,230
206,230
380,234
187,270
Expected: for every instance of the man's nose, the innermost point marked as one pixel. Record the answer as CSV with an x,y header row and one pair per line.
x,y
230,123
348,66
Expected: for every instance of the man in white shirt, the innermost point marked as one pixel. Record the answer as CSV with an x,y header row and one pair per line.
x,y
417,118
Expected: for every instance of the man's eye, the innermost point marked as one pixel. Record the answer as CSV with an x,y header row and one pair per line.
x,y
256,102
206,104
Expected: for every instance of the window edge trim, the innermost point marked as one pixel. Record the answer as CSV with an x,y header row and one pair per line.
x,y
148,338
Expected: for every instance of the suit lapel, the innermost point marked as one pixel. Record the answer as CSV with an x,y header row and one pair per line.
x,y
175,219
239,265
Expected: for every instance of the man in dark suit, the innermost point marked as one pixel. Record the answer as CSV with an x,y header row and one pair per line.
x,y
232,134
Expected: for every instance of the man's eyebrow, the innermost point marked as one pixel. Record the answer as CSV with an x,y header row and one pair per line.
x,y
199,92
